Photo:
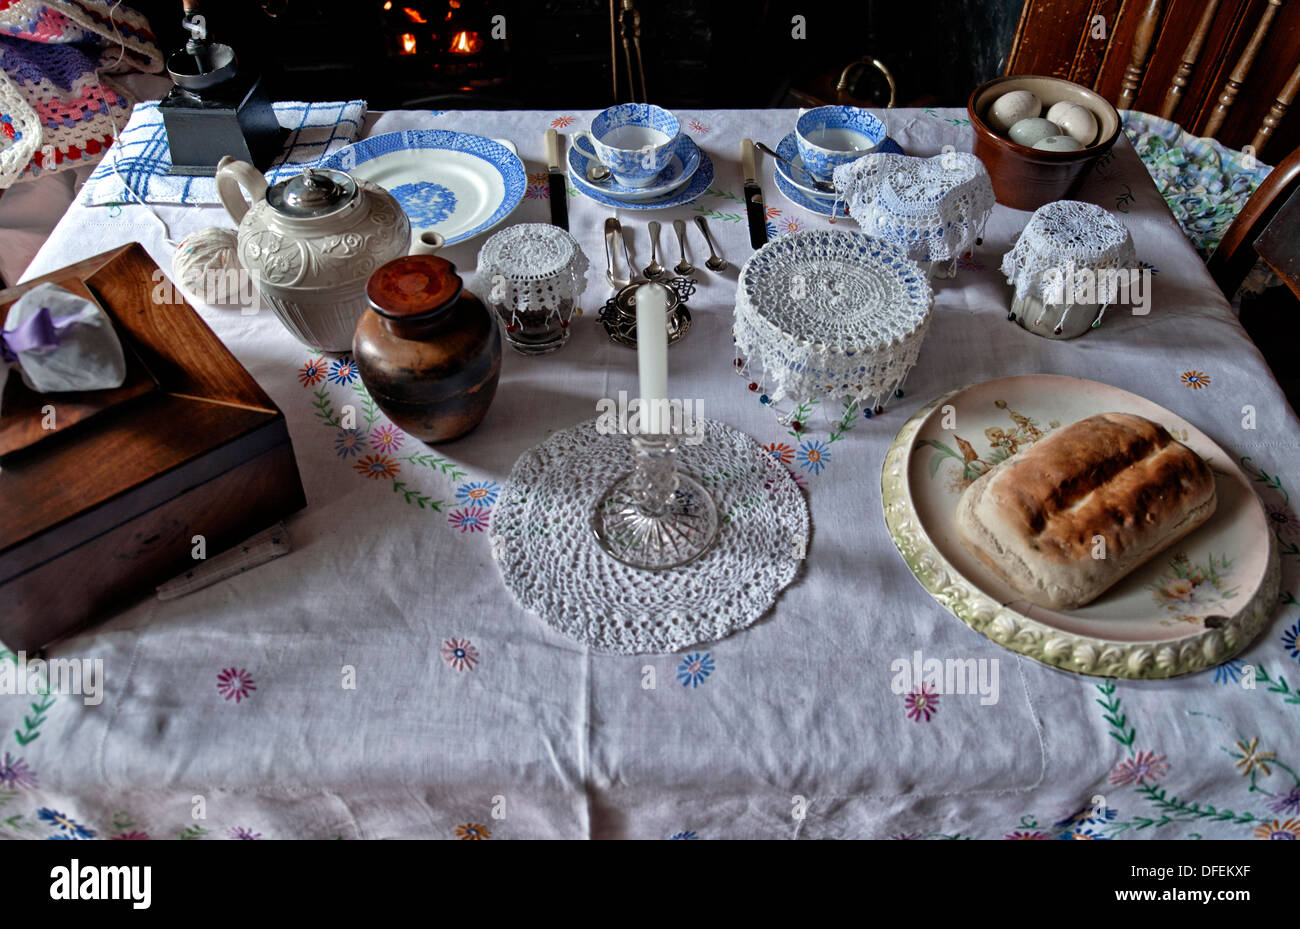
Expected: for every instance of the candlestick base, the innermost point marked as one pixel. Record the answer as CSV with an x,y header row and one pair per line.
x,y
656,517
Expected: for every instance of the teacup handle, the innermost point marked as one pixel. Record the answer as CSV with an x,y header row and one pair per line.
x,y
231,175
582,135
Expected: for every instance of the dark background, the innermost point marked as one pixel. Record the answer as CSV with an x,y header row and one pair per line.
x,y
697,53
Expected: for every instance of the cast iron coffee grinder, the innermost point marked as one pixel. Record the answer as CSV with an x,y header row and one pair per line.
x,y
215,109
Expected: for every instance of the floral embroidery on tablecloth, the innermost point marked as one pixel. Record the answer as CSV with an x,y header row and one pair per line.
x,y
481,493
1024,835
697,127
1195,380
235,683
460,654
133,835
684,836
343,370
312,373
15,774
562,122
921,704
539,186
695,669
239,832
1291,640
813,455
472,832
1229,672
1141,767
470,518
1278,829
68,828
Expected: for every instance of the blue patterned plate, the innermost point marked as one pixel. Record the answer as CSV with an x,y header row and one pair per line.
x,y
457,184
809,203
789,148
681,168
698,184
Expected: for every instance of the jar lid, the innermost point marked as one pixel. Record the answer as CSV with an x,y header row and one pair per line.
x,y
414,285
532,267
314,193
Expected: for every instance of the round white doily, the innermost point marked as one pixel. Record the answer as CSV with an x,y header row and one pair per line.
x,y
1066,236
543,543
829,315
933,208
532,268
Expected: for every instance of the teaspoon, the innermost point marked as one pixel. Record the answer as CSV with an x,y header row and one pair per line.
x,y
715,263
684,267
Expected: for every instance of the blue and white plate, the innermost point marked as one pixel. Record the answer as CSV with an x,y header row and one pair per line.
x,y
683,195
811,204
681,168
454,183
789,148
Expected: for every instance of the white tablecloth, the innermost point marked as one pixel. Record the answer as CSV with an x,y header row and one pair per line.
x,y
236,694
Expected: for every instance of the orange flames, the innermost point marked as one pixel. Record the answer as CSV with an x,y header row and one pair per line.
x,y
408,44
466,43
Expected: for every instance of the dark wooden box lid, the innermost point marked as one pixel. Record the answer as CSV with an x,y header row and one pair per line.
x,y
207,416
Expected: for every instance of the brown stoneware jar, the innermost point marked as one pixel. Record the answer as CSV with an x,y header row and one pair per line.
x,y
428,350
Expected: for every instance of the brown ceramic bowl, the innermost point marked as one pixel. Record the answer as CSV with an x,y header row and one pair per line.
x,y
1025,178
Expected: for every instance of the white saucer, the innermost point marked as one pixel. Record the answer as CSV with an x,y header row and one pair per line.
x,y
681,168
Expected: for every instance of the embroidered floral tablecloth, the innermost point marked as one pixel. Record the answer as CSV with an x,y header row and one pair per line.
x,y
380,682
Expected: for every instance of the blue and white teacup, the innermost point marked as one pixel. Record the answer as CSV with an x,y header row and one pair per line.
x,y
830,136
634,140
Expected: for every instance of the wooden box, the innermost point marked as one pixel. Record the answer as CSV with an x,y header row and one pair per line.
x,y
97,515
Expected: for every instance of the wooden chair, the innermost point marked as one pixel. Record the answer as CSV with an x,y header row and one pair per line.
x,y
1268,228
1226,69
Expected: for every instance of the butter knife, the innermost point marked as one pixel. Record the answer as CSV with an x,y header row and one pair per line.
x,y
559,183
755,209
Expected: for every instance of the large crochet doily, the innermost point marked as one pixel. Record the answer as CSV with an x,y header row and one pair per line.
x,y
829,315
1063,235
544,545
934,208
533,267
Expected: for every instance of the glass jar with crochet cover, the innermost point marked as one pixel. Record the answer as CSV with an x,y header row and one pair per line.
x,y
531,276
1071,262
935,209
828,317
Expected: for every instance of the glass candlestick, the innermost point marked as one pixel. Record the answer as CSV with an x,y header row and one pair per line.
x,y
655,517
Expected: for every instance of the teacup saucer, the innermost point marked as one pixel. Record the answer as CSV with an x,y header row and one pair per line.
x,y
789,148
679,171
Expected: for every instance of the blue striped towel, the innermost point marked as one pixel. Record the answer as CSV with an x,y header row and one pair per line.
x,y
140,157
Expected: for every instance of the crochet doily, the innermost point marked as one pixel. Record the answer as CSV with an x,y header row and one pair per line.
x,y
532,267
1063,235
829,315
544,545
933,208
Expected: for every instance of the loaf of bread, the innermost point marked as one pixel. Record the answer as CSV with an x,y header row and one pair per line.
x,y
1035,518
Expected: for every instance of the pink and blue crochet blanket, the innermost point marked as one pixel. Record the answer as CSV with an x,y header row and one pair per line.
x,y
58,106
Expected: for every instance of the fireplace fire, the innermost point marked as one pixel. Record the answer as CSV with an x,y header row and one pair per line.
x,y
444,44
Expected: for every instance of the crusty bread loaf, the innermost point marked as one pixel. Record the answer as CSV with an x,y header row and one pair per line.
x,y
1034,518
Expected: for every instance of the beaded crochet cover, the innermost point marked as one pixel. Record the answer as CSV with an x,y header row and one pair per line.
x,y
549,558
829,315
532,267
934,208
1063,235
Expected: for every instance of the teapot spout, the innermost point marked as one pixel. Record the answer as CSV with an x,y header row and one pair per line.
x,y
427,243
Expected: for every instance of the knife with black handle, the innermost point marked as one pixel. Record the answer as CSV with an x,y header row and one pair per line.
x,y
755,209
559,183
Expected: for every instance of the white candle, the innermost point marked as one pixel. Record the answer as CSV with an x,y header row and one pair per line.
x,y
652,354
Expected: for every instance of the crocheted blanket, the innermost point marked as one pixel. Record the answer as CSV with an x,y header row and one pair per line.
x,y
58,109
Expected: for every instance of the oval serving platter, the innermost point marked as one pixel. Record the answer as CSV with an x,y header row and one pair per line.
x,y
455,183
1192,606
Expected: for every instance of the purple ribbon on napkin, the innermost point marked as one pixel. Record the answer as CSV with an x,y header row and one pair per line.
x,y
38,331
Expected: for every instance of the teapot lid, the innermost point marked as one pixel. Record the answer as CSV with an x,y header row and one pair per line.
x,y
314,193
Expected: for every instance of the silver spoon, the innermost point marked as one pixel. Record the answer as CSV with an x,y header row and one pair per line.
x,y
714,263
597,173
684,267
654,269
614,229
823,186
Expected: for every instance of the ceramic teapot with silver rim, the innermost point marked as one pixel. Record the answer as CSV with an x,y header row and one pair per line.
x,y
311,242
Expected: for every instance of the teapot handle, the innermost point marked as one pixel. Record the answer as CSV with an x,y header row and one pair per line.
x,y
231,175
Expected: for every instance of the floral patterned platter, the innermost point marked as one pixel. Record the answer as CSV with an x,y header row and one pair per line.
x,y
1193,605
454,183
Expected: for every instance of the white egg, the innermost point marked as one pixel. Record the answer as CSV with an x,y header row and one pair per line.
x,y
1011,108
1058,143
1076,121
1029,131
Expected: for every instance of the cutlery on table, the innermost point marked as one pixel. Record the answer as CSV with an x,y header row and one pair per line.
x,y
755,210
654,269
715,263
825,187
559,183
613,231
684,267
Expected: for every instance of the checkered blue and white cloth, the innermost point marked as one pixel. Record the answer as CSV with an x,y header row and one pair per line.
x,y
136,167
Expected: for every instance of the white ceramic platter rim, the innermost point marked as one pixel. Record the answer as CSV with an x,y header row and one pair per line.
x,y
1116,635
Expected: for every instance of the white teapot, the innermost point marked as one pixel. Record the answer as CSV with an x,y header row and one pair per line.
x,y
311,243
